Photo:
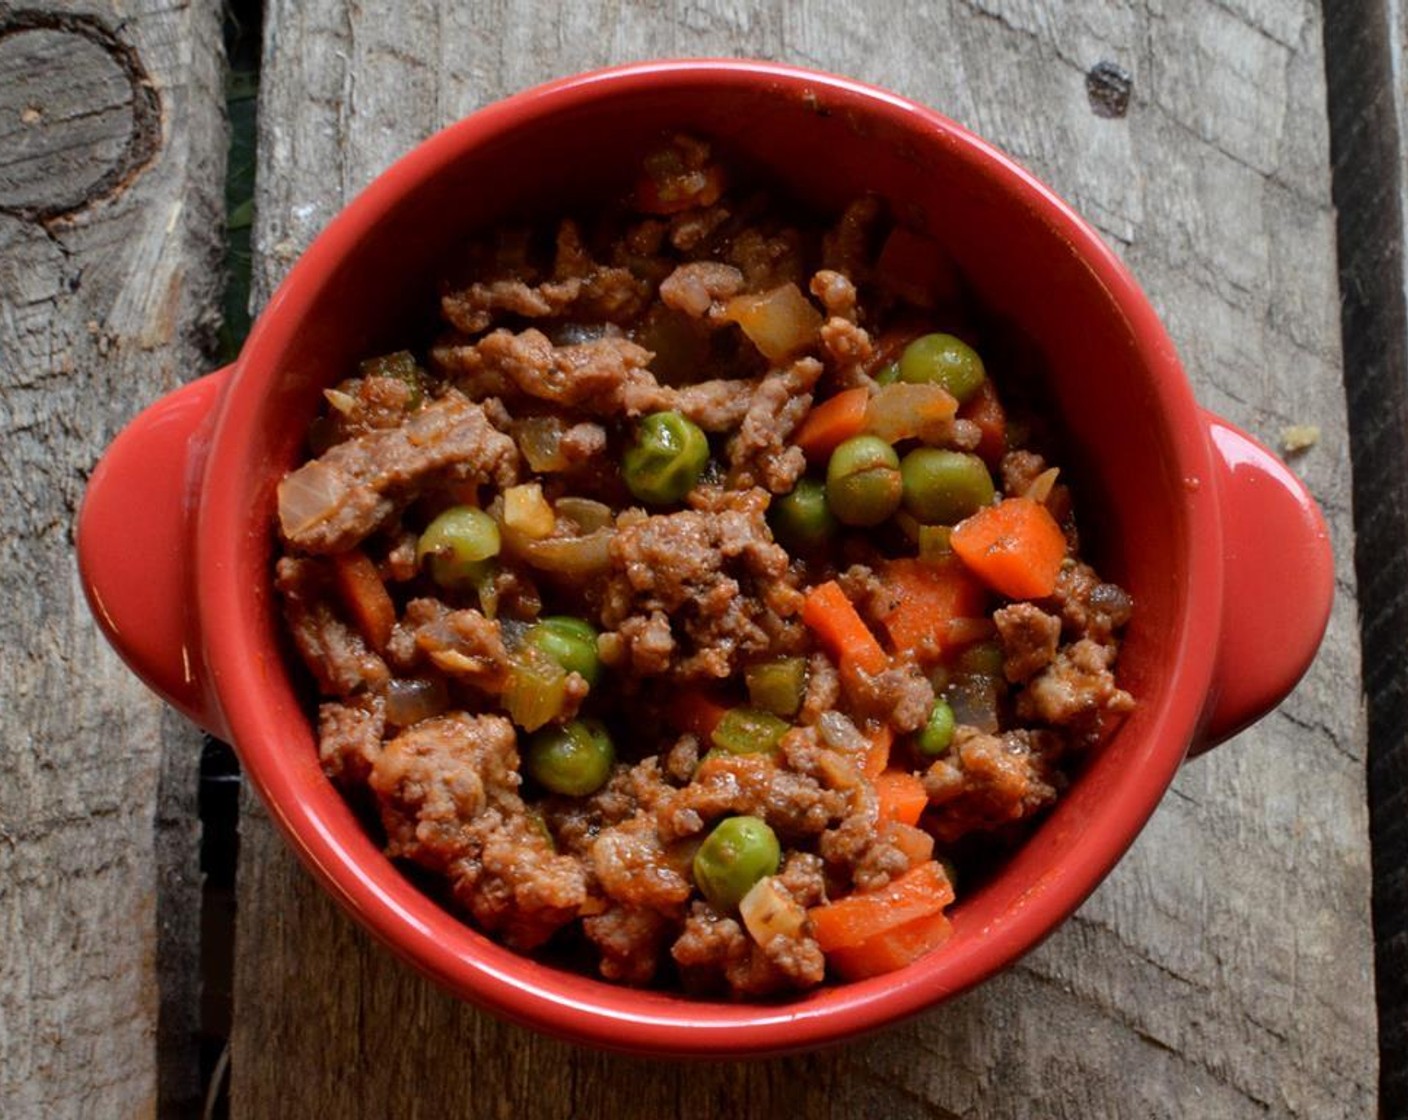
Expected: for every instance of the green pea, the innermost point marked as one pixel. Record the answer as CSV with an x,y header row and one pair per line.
x,y
458,544
574,759
666,459
571,642
942,359
937,732
739,852
801,520
748,731
863,484
888,375
942,487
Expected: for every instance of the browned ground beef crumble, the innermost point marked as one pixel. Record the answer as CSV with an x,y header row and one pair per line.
x,y
558,344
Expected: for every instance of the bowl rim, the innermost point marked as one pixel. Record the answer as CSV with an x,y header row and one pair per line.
x,y
313,817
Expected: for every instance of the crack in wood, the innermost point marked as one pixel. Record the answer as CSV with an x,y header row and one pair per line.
x,y
143,142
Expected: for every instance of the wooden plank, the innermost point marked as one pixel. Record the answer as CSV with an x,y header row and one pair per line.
x,y
1365,41
111,172
1225,969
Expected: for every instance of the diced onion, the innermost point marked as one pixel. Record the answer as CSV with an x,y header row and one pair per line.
x,y
571,555
343,402
527,512
540,440
768,912
586,514
413,699
779,322
904,411
309,495
1040,488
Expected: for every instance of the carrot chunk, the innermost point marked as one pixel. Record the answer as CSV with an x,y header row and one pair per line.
x,y
901,796
892,949
924,599
918,893
1015,547
834,620
831,423
362,592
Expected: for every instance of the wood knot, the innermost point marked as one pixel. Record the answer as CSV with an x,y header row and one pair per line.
x,y
79,117
1108,86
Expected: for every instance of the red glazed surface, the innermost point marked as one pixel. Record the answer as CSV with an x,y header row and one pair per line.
x,y
1219,544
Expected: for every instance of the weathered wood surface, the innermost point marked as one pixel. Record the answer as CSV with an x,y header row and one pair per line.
x,y
1226,967
111,170
1369,119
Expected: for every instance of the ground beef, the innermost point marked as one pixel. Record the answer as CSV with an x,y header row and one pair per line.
x,y
630,940
367,404
1076,688
579,287
902,695
712,578
513,883
794,805
349,738
849,352
603,377
337,655
1089,607
988,781
359,483
837,294
1029,638
823,689
434,779
461,643
700,288
1019,470
760,454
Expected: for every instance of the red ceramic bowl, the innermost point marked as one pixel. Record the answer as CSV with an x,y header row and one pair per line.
x,y
1226,555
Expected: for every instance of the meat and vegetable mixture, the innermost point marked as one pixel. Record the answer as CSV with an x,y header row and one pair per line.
x,y
691,610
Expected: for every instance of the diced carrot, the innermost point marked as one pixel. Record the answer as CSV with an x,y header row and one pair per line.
x,y
833,619
1015,547
901,796
831,423
362,592
919,892
923,599
697,712
916,845
985,410
892,949
877,756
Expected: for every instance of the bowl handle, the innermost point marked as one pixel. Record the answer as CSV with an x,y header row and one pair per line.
x,y
1278,582
135,544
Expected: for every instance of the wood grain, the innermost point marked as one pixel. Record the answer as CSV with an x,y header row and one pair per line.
x,y
1365,40
1225,969
111,165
